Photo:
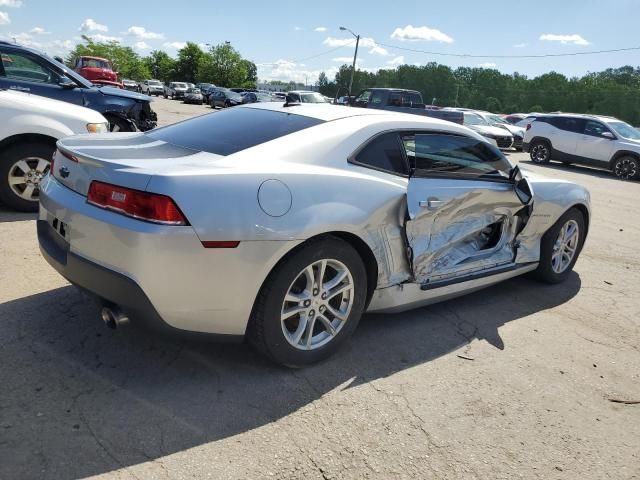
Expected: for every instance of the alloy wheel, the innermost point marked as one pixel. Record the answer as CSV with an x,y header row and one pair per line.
x,y
626,168
540,153
565,246
317,304
25,176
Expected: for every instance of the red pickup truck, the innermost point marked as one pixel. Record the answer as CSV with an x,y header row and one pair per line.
x,y
97,70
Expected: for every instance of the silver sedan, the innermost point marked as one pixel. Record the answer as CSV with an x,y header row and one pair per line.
x,y
283,224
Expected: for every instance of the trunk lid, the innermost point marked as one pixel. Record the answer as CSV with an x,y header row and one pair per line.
x,y
124,159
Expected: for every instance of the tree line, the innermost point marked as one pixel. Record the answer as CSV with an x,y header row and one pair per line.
x,y
221,64
615,91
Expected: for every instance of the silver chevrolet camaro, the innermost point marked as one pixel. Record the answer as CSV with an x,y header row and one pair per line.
x,y
282,224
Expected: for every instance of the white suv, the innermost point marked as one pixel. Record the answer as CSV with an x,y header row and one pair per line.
x,y
29,128
596,141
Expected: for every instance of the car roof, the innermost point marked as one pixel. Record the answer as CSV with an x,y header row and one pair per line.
x,y
583,116
94,58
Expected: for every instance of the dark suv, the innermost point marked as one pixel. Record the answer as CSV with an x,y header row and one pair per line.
x,y
28,70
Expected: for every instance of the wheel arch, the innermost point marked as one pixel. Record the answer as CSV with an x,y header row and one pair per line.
x,y
540,139
364,251
26,138
622,153
582,208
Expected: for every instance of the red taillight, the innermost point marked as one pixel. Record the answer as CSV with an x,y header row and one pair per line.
x,y
151,207
528,126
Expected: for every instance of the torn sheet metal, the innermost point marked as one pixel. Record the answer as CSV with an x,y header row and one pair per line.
x,y
451,240
388,246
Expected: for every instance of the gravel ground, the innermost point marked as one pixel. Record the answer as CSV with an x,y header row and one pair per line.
x,y
511,382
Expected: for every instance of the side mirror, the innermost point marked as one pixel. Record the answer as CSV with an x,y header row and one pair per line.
x,y
66,82
608,135
521,186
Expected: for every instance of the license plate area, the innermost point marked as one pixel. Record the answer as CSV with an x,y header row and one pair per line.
x,y
60,228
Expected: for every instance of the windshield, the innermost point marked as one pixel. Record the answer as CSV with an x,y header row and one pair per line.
x,y
473,119
155,83
497,119
263,97
312,98
193,90
179,85
625,130
232,130
95,63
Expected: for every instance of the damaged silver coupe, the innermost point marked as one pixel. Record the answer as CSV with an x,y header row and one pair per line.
x,y
283,224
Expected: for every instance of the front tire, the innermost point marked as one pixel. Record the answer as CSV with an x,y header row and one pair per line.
x,y
626,168
22,167
561,246
310,304
540,152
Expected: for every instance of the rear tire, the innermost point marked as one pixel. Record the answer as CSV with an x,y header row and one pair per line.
x,y
29,162
540,152
556,246
313,332
626,168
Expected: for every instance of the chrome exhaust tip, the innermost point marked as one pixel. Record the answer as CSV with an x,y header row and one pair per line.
x,y
113,317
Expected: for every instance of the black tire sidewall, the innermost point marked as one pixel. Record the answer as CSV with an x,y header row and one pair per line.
x,y
7,159
538,143
275,345
633,159
544,271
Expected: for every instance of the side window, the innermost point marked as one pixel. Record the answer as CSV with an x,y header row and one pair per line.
x,y
384,153
410,99
363,98
438,153
568,124
18,66
395,99
595,129
376,98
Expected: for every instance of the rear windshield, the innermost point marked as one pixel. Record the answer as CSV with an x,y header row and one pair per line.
x,y
232,130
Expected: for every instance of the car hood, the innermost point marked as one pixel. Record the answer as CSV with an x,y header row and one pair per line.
x,y
488,130
118,92
519,131
55,109
629,143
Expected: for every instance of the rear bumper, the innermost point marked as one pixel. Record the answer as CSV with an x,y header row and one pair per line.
x,y
160,276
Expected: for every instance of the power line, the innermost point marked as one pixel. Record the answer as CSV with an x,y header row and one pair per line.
x,y
546,55
326,52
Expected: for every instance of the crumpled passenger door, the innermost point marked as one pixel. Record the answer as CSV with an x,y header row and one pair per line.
x,y
462,207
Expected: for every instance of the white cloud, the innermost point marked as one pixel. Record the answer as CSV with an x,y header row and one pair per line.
x,y
411,33
4,18
379,51
11,3
396,61
141,45
175,45
54,47
573,39
344,59
320,29
365,42
98,37
520,45
297,29
90,25
286,70
142,33
487,65
38,31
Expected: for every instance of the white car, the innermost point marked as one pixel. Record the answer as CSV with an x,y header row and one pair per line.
x,y
29,128
595,141
500,137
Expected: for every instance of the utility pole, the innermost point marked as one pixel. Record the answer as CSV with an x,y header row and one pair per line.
x,y
355,56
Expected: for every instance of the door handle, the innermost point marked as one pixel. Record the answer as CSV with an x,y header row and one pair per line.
x,y
431,204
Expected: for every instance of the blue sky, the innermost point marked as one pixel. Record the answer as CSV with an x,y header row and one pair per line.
x,y
280,36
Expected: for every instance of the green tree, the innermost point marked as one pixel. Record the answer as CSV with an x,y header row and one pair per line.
x,y
188,62
161,66
224,66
